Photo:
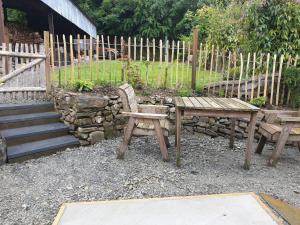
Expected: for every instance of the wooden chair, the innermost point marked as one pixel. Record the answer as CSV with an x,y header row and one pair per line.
x,y
144,120
279,126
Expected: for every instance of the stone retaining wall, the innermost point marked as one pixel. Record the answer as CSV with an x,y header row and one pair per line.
x,y
94,118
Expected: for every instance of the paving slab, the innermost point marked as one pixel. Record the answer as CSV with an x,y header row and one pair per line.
x,y
223,209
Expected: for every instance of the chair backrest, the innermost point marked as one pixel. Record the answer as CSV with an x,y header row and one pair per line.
x,y
127,95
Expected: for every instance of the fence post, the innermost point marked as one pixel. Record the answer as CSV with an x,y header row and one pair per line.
x,y
194,63
47,61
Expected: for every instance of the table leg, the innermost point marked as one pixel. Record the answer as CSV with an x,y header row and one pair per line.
x,y
232,133
178,132
250,140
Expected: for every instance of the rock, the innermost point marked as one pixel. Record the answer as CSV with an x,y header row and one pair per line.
x,y
172,110
84,121
168,100
87,102
99,119
211,133
109,118
114,97
96,136
87,129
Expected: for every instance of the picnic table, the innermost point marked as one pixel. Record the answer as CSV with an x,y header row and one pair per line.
x,y
216,107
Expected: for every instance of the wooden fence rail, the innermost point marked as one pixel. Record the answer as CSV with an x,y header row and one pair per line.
x,y
170,64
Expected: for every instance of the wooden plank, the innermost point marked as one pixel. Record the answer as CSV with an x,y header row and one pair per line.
x,y
58,57
246,79
204,103
153,60
103,58
200,63
115,59
148,50
234,73
166,63
97,58
188,63
279,79
228,71
84,55
52,55
129,48
216,69
172,62
211,67
72,58
4,60
141,50
78,57
273,79
187,102
160,62
246,104
205,63
17,61
195,57
253,75
195,102
259,79
110,64
177,62
91,58
241,75
266,76
65,59
182,63
47,62
134,48
27,60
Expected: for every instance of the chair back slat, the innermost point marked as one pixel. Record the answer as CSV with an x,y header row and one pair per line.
x,y
127,95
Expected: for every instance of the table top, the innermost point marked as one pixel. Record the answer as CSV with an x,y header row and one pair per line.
x,y
210,103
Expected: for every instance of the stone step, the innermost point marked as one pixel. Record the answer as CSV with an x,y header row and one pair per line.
x,y
15,109
23,120
22,135
39,147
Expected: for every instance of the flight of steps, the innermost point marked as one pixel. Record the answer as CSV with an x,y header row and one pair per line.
x,y
33,129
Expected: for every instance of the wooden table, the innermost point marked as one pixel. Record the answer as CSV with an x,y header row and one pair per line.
x,y
216,107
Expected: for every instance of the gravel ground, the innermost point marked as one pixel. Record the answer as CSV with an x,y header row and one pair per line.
x,y
31,192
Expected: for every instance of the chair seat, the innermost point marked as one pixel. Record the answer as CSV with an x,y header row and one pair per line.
x,y
143,129
272,131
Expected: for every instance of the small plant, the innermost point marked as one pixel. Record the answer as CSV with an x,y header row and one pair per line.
x,y
83,85
184,92
292,80
222,92
259,101
134,76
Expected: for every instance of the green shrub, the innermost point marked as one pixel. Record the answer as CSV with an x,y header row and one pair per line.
x,y
83,85
292,80
184,93
259,102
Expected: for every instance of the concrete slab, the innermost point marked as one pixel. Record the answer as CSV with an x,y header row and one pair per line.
x,y
225,209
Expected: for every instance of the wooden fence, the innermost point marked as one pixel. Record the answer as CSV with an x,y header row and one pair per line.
x,y
170,64
22,73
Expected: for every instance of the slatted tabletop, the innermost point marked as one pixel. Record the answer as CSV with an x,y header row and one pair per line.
x,y
208,103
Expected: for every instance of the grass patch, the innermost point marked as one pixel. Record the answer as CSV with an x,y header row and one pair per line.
x,y
151,74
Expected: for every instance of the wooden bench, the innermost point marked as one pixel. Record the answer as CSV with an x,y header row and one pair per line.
x,y
144,120
279,126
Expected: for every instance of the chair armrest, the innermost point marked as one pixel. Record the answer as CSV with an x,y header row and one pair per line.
x,y
287,119
145,115
153,108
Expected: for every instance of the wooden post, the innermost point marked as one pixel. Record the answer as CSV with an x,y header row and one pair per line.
x,y
195,51
177,62
211,67
188,63
97,58
47,62
279,79
246,78
273,79
58,58
91,57
51,23
78,56
253,75
182,64
2,26
65,59
72,58
241,75
259,80
266,76
172,62
141,50
134,49
227,79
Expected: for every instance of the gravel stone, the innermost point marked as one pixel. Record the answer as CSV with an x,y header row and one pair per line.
x,y
32,191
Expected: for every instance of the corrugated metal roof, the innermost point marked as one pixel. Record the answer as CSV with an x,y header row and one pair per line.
x,y
71,12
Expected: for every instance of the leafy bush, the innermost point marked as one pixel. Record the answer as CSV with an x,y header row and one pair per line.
x,y
292,80
83,85
184,92
134,75
259,101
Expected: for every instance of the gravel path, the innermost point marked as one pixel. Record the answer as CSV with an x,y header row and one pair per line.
x,y
31,192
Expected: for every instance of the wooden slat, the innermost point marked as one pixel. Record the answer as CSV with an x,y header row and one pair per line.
x,y
246,79
279,79
179,102
103,58
141,50
65,60
97,58
253,75
273,79
177,62
182,64
84,55
266,76
110,64
78,57
259,78
134,48
91,58
187,102
115,60
241,75
188,63
211,68
72,58
228,71
160,63
234,73
216,69
172,63
195,102
200,62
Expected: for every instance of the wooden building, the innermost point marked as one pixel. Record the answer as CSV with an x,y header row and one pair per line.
x,y
59,17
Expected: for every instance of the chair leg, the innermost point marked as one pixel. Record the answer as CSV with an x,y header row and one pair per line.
x,y
167,141
261,144
280,145
126,138
160,137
